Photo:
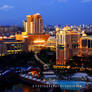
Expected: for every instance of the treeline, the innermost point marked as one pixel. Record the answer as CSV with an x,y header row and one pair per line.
x,y
85,61
19,60
48,56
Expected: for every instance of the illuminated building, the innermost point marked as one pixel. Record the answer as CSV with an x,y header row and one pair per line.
x,y
3,49
51,43
34,24
14,47
33,42
71,43
36,42
85,44
66,41
20,37
5,37
33,37
11,46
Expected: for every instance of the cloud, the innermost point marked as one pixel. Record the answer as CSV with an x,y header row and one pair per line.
x,y
6,7
86,1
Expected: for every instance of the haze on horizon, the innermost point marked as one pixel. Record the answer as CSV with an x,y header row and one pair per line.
x,y
52,11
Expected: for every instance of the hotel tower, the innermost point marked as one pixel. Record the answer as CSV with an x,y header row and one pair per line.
x,y
34,24
36,38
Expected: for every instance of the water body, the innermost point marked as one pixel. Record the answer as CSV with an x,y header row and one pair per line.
x,y
27,88
19,88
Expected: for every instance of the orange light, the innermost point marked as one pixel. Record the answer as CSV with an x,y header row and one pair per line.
x,y
1,37
5,37
39,41
68,67
12,36
25,36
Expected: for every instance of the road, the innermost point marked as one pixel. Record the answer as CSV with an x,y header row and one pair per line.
x,y
38,59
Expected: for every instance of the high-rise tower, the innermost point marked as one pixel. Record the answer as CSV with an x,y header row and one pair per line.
x,y
67,44
34,24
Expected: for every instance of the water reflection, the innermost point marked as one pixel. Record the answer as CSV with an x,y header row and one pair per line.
x,y
71,91
20,88
30,89
26,88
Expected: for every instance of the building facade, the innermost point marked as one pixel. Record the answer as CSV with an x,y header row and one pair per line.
x,y
85,44
34,24
37,42
66,41
11,46
35,38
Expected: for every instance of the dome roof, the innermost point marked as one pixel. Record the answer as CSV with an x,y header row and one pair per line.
x,y
67,28
83,33
57,29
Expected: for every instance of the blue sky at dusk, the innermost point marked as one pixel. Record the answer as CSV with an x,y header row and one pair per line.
x,y
52,11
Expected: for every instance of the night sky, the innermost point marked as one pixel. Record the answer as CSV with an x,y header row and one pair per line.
x,y
53,11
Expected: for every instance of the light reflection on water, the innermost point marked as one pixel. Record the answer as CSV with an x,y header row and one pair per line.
x,y
21,88
26,88
71,91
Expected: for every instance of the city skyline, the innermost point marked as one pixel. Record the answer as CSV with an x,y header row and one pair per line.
x,y
50,47
53,11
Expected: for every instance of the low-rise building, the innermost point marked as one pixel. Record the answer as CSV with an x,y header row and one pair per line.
x,y
11,46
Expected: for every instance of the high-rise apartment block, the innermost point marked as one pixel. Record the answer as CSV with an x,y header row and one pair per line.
x,y
71,43
66,40
34,24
